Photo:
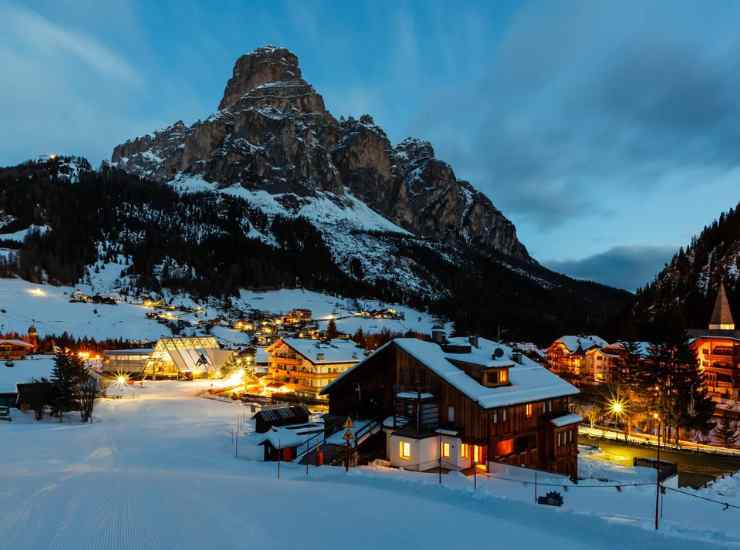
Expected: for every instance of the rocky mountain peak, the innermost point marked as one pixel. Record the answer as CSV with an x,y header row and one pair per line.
x,y
274,134
264,65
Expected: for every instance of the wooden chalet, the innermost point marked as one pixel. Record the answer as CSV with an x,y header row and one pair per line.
x,y
461,403
306,366
12,349
567,354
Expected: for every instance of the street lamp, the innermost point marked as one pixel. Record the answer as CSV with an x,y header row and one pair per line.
x,y
617,408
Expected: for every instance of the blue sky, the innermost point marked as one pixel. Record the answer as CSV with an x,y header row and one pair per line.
x,y
606,131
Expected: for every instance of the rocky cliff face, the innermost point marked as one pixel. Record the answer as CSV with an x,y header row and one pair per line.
x,y
273,133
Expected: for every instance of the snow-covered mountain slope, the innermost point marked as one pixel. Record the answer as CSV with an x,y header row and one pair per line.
x,y
50,310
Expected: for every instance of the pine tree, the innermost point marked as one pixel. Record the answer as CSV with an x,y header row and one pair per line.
x,y
66,377
331,330
63,383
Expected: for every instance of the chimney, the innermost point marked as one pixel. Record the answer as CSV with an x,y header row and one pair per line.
x,y
438,335
473,341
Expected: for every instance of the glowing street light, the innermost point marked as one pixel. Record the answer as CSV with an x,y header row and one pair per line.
x,y
616,407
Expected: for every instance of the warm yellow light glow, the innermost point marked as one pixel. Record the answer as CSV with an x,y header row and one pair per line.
x,y
236,378
83,354
404,450
121,379
36,292
617,407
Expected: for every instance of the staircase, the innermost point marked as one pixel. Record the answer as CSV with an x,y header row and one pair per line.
x,y
334,446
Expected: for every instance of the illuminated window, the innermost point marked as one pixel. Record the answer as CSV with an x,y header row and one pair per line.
x,y
528,409
477,454
446,450
405,450
465,450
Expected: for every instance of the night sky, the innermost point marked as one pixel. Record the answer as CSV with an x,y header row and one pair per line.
x,y
607,132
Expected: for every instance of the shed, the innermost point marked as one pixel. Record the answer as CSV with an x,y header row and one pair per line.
x,y
282,416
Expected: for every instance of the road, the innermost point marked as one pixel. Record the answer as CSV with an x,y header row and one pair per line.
x,y
695,469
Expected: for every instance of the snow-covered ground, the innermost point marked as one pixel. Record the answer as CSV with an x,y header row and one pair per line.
x,y
158,472
24,371
48,308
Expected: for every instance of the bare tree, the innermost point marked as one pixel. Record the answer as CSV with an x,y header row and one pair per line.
x,y
88,390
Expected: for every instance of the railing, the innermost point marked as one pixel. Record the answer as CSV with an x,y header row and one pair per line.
x,y
366,430
309,445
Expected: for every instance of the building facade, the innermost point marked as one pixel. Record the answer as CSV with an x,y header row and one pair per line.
x,y
717,349
187,357
457,404
567,354
306,366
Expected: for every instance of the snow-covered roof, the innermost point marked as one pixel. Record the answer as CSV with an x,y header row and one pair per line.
x,y
529,380
282,437
566,419
642,348
24,371
324,352
15,342
583,341
261,355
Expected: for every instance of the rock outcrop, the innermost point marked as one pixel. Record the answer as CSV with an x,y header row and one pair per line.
x,y
273,133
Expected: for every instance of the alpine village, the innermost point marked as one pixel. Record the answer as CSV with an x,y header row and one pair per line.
x,y
275,295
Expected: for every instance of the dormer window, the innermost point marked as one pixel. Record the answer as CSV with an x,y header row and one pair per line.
x,y
496,377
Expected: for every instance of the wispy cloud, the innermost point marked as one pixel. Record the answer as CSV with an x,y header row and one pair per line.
x,y
35,35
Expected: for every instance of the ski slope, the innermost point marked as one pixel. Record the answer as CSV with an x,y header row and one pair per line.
x,y
158,472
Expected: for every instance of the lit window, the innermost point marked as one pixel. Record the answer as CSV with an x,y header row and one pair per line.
x,y
465,450
405,450
495,417
503,415
477,454
528,409
446,450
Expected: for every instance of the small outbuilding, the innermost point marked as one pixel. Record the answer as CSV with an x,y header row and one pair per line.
x,y
267,419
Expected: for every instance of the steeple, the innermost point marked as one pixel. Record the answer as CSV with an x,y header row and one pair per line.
x,y
721,315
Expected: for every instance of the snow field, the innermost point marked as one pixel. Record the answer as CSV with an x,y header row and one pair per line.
x,y
158,472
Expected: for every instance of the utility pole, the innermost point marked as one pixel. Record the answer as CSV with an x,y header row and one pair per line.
x,y
535,486
657,481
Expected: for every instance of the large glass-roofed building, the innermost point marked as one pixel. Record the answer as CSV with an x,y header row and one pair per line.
x,y
191,357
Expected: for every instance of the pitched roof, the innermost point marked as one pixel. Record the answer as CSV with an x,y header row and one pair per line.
x,y
15,342
530,381
721,314
326,352
584,342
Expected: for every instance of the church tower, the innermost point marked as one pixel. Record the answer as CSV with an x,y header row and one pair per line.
x,y
33,337
721,314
